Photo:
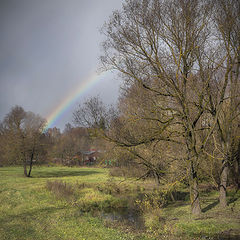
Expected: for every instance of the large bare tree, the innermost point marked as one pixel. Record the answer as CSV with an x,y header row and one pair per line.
x,y
224,96
166,47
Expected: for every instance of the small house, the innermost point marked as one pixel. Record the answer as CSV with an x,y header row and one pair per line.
x,y
88,157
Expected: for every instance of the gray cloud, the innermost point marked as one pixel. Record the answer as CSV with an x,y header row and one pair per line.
x,y
47,48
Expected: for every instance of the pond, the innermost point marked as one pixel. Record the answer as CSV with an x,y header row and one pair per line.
x,y
127,216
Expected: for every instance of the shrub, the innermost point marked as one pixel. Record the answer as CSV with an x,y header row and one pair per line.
x,y
127,171
152,201
60,189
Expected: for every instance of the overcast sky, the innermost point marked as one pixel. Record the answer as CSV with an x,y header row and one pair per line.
x,y
47,47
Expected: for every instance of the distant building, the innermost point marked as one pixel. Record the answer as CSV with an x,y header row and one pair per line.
x,y
88,157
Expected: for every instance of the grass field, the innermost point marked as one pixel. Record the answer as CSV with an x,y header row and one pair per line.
x,y
61,202
29,211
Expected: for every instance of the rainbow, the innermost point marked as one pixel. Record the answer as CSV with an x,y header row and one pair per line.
x,y
72,97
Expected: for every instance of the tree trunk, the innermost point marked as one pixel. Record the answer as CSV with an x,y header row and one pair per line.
x,y
237,175
25,169
30,167
31,163
237,168
194,193
223,184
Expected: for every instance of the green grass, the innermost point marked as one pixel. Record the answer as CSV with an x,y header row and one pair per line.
x,y
29,211
213,223
60,202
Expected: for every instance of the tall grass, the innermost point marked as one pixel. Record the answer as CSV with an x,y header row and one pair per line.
x,y
60,189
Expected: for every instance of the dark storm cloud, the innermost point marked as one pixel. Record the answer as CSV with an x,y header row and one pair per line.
x,y
47,47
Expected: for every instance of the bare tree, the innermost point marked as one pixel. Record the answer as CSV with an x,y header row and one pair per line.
x,y
91,114
23,134
163,46
225,103
94,114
